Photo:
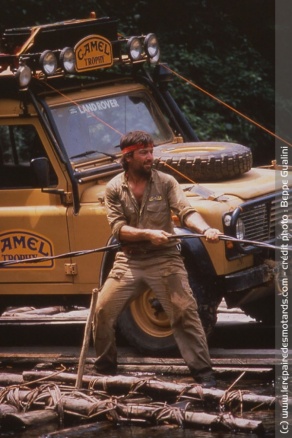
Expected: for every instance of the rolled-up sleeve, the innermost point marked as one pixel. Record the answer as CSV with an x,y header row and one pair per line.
x,y
115,214
178,200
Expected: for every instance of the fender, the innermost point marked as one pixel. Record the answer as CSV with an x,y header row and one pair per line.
x,y
206,285
107,261
196,257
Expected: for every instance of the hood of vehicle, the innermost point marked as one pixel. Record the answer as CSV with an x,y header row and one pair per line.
x,y
255,183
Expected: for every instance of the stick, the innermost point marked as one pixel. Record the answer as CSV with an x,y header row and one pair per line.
x,y
86,338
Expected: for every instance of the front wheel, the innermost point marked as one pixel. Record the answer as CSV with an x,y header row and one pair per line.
x,y
145,326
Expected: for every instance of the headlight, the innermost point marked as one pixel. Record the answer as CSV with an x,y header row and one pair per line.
x,y
23,75
48,62
151,45
67,59
134,48
240,229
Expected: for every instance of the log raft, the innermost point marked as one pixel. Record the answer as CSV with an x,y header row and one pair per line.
x,y
118,399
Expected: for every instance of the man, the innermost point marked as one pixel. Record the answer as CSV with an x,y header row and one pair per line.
x,y
140,202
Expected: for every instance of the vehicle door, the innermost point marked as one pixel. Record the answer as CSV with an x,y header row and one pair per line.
x,y
33,223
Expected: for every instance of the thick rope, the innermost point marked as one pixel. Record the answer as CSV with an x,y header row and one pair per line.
x,y
61,256
118,246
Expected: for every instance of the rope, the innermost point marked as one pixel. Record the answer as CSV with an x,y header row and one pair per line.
x,y
193,85
118,246
61,256
228,106
234,239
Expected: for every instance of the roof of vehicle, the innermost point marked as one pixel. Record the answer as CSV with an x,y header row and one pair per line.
x,y
33,39
72,47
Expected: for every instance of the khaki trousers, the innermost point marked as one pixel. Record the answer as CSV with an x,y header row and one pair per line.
x,y
165,274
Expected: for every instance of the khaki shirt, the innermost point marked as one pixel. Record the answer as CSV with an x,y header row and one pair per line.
x,y
163,196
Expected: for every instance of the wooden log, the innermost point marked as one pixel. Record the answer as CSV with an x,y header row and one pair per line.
x,y
184,370
71,404
14,396
30,311
86,338
86,407
81,406
29,419
127,357
14,310
226,420
146,385
22,394
156,413
155,369
220,357
6,409
7,379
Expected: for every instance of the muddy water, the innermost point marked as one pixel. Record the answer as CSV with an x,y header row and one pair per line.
x,y
128,431
139,432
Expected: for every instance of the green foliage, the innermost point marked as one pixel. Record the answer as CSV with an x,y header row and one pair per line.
x,y
239,79
216,56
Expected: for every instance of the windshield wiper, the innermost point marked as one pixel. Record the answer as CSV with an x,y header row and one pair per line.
x,y
84,154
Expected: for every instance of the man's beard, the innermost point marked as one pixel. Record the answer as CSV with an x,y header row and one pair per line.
x,y
146,171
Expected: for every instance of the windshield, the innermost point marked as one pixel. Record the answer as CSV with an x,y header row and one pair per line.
x,y
94,127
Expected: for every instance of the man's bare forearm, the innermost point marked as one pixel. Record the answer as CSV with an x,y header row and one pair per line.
x,y
195,222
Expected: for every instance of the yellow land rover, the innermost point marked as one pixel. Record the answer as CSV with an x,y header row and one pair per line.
x,y
68,91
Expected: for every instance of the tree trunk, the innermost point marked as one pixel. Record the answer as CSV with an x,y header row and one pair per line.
x,y
29,419
7,379
6,409
169,414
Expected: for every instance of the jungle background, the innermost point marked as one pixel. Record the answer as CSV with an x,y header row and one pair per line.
x,y
225,47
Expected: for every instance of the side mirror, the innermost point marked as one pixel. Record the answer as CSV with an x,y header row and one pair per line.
x,y
41,169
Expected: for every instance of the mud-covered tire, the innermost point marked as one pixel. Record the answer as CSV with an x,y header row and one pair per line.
x,y
208,299
203,161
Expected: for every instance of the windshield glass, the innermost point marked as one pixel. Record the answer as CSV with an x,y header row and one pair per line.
x,y
93,128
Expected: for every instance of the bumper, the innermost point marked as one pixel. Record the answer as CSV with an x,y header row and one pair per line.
x,y
249,278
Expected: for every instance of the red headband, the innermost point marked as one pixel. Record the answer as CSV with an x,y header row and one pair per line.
x,y
133,147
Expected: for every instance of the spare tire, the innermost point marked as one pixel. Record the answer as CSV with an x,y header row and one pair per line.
x,y
203,161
